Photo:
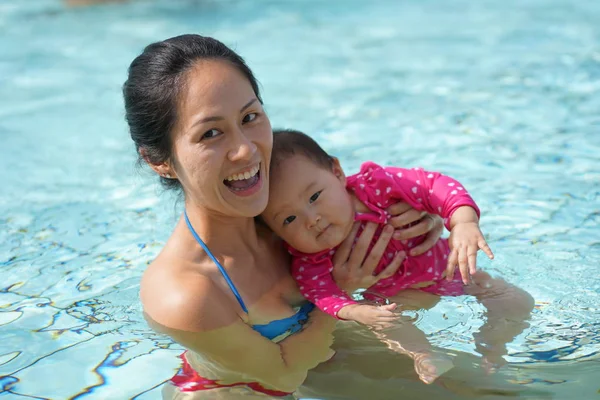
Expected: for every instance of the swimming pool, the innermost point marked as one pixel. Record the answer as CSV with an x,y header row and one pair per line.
x,y
505,96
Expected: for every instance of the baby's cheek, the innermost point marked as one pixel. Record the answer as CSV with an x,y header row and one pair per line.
x,y
295,238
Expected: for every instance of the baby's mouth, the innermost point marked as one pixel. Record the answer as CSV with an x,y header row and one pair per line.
x,y
323,230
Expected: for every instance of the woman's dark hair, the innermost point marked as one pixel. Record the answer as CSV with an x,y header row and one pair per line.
x,y
153,86
288,142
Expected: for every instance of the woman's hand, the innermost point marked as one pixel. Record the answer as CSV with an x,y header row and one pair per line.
x,y
352,270
431,225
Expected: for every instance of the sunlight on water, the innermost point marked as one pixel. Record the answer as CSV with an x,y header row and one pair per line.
x,y
503,96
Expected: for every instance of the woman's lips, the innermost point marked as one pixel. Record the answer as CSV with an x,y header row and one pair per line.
x,y
255,183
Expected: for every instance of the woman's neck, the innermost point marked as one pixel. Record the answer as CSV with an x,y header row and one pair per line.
x,y
224,234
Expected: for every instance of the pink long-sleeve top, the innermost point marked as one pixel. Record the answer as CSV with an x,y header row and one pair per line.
x,y
379,187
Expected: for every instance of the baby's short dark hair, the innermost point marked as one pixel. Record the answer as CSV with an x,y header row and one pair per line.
x,y
289,142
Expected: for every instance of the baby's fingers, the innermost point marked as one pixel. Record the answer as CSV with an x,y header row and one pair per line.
x,y
385,320
486,249
387,316
388,307
472,256
463,264
386,313
452,261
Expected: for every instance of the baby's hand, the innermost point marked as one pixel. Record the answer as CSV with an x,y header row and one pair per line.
x,y
465,240
376,316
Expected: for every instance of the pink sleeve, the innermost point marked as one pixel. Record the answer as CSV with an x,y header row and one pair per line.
x,y
429,191
317,285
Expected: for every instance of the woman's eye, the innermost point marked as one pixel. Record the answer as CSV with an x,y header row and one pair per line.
x,y
315,196
250,117
289,219
211,134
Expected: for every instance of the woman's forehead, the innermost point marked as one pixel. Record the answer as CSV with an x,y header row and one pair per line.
x,y
214,89
211,79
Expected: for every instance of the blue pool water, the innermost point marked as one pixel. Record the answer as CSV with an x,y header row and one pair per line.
x,y
503,95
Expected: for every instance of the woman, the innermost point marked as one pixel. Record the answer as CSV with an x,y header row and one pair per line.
x,y
221,286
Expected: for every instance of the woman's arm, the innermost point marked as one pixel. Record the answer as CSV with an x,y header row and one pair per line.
x,y
204,322
200,317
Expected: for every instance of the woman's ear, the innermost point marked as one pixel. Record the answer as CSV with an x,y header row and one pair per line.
x,y
337,169
163,169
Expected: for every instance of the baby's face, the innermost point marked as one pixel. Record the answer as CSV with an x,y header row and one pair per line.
x,y
309,206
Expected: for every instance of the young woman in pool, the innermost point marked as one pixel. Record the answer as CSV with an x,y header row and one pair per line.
x,y
221,286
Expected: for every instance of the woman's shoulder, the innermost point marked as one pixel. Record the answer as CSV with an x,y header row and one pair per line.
x,y
176,296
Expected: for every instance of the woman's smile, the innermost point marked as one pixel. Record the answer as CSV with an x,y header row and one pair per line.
x,y
245,183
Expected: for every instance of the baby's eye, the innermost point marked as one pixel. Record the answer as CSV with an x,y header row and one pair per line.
x,y
249,117
289,219
315,196
211,134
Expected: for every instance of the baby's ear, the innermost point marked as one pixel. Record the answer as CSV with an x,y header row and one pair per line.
x,y
337,169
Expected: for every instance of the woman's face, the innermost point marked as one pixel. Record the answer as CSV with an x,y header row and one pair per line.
x,y
222,141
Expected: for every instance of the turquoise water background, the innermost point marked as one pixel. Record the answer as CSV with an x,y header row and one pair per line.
x,y
503,95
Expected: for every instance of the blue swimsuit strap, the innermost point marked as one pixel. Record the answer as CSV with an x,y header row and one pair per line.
x,y
223,272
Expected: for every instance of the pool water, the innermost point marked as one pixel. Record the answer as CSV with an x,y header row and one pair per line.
x,y
502,95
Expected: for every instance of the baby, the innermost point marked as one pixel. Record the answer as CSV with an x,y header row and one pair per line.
x,y
313,207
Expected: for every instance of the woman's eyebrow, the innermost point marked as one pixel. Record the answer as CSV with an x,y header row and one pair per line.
x,y
248,104
219,118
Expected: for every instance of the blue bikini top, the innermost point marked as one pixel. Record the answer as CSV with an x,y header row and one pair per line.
x,y
274,328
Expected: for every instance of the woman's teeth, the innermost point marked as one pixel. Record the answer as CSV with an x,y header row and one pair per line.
x,y
245,175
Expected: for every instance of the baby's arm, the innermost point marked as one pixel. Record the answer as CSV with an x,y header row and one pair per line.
x,y
429,191
317,285
444,196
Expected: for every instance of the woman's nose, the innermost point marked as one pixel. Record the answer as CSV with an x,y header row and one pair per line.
x,y
243,148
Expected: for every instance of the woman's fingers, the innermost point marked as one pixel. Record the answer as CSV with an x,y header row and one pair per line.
x,y
343,251
392,267
408,217
432,237
359,251
421,228
372,260
398,209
